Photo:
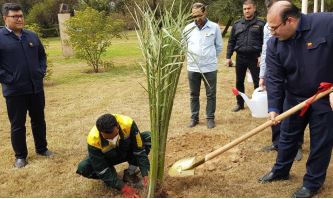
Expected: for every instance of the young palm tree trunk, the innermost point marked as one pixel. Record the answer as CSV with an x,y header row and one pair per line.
x,y
161,43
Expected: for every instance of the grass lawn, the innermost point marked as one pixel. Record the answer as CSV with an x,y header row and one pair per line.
x,y
75,98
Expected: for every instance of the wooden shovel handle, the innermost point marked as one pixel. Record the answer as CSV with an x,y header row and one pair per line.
x,y
264,126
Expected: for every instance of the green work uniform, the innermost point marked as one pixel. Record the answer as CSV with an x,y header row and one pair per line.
x,y
132,147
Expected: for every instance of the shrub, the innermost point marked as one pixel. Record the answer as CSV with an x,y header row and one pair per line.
x,y
91,33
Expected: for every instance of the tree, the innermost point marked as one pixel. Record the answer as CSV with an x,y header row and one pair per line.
x,y
91,33
161,43
45,15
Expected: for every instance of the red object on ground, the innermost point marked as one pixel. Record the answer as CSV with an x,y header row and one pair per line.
x,y
129,192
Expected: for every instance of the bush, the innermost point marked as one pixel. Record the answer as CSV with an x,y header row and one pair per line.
x,y
91,33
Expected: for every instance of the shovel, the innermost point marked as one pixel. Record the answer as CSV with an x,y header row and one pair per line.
x,y
185,167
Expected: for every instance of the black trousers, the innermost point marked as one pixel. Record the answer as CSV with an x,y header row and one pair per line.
x,y
17,108
244,62
321,142
276,136
195,79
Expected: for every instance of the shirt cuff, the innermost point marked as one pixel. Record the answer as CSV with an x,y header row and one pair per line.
x,y
273,110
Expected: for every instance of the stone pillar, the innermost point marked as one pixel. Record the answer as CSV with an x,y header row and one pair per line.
x,y
322,6
67,50
315,6
305,6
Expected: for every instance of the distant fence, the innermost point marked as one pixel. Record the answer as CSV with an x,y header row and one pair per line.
x,y
50,32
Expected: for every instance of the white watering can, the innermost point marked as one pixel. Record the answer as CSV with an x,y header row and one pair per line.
x,y
258,104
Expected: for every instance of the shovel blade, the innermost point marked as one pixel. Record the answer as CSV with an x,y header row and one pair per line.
x,y
181,168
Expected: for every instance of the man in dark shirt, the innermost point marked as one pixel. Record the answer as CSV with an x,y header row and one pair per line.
x,y
246,39
22,69
299,58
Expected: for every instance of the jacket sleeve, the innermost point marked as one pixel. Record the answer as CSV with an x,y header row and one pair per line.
x,y
275,78
105,172
139,151
231,43
42,56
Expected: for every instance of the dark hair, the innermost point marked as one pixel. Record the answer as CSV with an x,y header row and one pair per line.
x,y
106,123
10,6
290,10
245,2
200,5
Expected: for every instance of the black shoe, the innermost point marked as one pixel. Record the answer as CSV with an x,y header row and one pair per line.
x,y
270,148
304,192
299,155
130,178
20,162
237,108
193,123
47,153
271,176
210,123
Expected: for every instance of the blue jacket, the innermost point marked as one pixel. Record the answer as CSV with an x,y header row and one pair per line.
x,y
22,63
301,63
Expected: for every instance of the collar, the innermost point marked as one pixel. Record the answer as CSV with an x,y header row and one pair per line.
x,y
205,24
303,25
9,31
249,21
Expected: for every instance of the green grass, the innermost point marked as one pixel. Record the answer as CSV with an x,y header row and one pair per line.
x,y
123,53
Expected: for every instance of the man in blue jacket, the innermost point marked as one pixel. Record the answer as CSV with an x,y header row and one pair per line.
x,y
22,69
299,57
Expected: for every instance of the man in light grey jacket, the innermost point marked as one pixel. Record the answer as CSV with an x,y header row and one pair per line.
x,y
204,44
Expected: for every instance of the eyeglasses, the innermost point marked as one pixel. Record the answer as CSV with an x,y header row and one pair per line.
x,y
16,17
273,29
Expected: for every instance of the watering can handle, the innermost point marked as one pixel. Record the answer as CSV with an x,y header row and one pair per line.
x,y
265,125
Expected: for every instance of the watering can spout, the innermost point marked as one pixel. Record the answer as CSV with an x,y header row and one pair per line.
x,y
258,105
245,98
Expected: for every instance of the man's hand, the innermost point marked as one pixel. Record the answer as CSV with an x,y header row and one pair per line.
x,y
272,116
262,83
145,181
129,192
331,100
229,62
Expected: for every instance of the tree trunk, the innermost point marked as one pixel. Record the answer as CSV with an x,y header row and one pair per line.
x,y
227,26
